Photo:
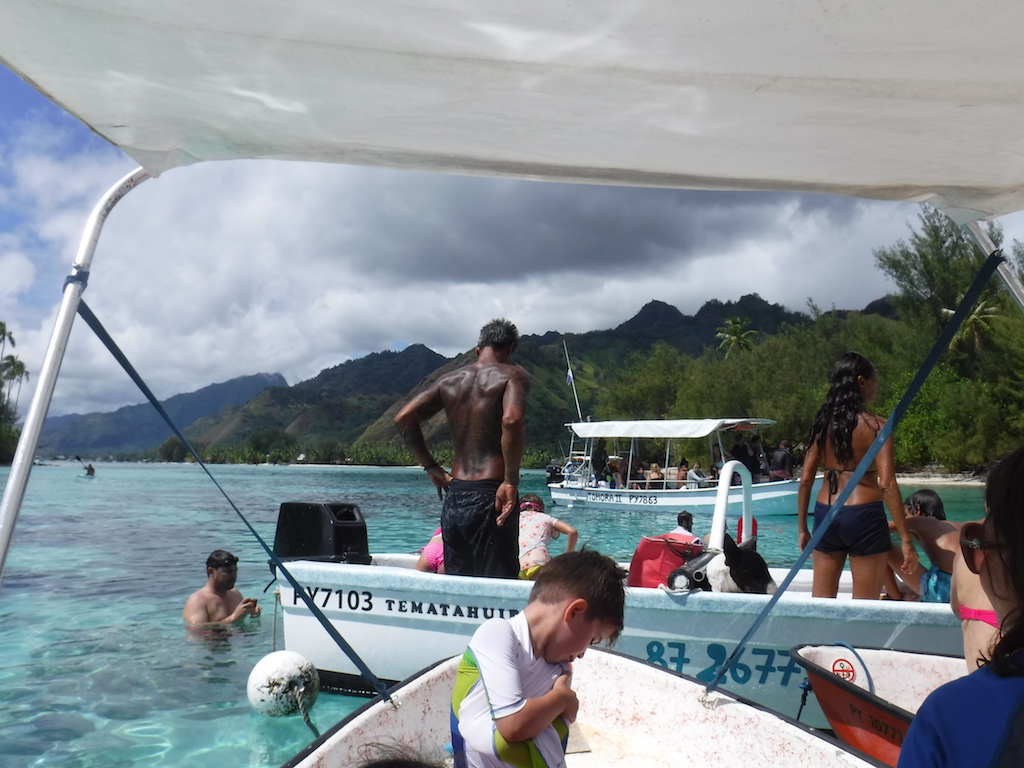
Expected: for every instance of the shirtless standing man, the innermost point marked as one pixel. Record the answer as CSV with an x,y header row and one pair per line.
x,y
219,602
485,403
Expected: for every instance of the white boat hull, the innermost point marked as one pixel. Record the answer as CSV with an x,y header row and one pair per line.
x,y
775,498
399,620
630,715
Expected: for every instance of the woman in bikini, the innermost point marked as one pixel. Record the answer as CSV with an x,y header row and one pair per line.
x,y
979,621
976,720
841,434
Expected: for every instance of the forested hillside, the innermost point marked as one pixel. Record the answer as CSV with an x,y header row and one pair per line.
x,y
970,411
731,359
346,413
137,427
598,359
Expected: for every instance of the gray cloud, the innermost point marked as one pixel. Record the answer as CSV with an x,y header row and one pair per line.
x,y
224,269
411,226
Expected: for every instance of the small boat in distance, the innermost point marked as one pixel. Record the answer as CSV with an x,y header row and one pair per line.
x,y
631,713
578,488
870,695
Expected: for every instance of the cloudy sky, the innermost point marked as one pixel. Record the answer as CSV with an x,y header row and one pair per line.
x,y
224,269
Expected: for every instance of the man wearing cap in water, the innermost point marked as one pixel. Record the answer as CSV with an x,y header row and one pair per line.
x,y
219,602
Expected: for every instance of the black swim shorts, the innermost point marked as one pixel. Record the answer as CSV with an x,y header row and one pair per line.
x,y
474,544
859,530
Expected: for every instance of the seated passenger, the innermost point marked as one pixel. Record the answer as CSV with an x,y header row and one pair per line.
x,y
657,556
655,478
684,526
696,478
432,555
940,539
682,472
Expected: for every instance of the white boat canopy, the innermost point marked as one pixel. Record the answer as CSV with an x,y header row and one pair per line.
x,y
917,100
665,428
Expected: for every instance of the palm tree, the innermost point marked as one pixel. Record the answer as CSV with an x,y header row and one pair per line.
x,y
8,365
16,372
735,335
5,336
976,328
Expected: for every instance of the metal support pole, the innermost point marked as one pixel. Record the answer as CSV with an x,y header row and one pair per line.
x,y
572,380
1005,270
14,492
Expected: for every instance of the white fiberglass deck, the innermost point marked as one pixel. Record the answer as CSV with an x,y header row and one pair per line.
x,y
631,715
400,620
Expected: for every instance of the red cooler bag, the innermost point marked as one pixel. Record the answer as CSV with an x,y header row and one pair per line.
x,y
657,556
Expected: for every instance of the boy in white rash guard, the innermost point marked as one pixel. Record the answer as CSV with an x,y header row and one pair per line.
x,y
513,703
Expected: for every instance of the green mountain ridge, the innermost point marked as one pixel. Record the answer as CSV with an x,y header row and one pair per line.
x,y
355,401
597,356
339,403
138,427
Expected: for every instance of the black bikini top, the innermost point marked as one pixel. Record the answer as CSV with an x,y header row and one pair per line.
x,y
831,477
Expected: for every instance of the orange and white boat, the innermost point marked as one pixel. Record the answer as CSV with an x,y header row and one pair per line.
x,y
870,695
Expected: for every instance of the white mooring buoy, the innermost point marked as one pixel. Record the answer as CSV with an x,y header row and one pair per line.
x,y
283,683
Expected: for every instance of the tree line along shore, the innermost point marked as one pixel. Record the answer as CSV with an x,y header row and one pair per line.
x,y
969,412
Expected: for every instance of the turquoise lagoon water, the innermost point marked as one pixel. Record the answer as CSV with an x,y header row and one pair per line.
x,y
98,669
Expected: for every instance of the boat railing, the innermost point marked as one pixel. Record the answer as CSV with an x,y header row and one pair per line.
x,y
716,541
576,472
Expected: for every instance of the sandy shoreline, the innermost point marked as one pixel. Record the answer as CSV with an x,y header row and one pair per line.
x,y
935,478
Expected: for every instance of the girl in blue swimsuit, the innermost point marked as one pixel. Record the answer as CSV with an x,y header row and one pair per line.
x,y
841,434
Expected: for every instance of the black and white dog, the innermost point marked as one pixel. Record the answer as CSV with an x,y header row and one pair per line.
x,y
735,569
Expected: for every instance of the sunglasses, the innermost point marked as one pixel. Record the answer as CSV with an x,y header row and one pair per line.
x,y
974,547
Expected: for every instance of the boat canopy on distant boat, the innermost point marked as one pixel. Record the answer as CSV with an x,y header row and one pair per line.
x,y
666,428
579,488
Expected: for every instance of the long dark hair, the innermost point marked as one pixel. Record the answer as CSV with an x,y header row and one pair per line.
x,y
842,407
928,503
1004,499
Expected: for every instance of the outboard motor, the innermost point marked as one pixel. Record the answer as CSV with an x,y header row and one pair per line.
x,y
331,532
693,574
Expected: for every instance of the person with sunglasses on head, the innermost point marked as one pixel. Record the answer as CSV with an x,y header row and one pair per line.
x,y
842,433
968,601
979,719
219,602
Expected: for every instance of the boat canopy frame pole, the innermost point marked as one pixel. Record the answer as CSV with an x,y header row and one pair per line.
x,y
716,540
1005,271
17,481
664,467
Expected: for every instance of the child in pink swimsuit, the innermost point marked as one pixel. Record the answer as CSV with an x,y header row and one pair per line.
x,y
432,555
536,530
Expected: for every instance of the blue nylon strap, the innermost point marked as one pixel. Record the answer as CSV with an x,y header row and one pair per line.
x,y
103,336
972,296
80,276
